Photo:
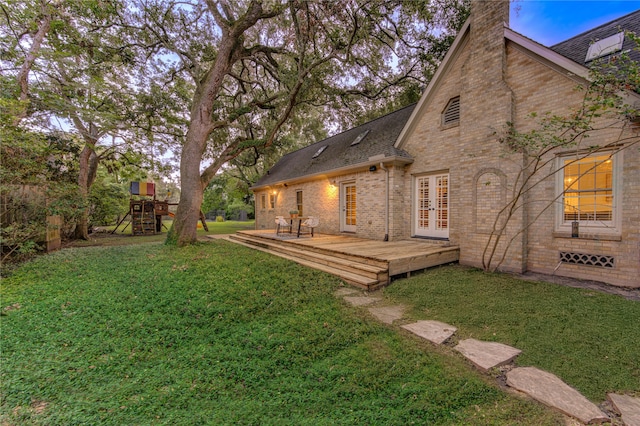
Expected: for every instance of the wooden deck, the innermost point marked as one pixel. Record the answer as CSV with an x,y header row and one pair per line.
x,y
369,264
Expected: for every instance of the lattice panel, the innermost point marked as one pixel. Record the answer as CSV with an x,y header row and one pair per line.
x,y
587,259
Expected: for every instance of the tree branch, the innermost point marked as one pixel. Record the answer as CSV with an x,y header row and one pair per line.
x,y
23,76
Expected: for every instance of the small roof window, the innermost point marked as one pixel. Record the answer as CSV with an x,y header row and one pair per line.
x,y
605,46
319,151
451,113
359,138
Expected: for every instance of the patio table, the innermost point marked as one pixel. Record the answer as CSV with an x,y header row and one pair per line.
x,y
300,219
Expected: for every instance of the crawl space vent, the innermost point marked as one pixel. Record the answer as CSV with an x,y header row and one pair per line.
x,y
587,259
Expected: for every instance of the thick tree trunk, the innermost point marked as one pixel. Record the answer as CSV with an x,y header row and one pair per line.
x,y
184,229
192,183
185,224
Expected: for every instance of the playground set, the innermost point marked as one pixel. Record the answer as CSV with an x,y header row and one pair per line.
x,y
146,213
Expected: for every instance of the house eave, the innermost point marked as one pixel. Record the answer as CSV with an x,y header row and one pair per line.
x,y
570,67
372,161
560,63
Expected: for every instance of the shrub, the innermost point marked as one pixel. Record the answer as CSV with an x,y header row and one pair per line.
x,y
107,201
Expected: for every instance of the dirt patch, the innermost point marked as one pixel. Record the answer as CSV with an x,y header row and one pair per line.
x,y
100,239
627,293
13,307
38,407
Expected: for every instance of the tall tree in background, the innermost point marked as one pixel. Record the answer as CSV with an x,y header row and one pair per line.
x,y
252,64
89,82
71,71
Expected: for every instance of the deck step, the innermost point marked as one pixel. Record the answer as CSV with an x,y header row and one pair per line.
x,y
334,260
366,263
361,275
325,245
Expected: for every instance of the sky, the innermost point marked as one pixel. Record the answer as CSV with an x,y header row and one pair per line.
x,y
551,21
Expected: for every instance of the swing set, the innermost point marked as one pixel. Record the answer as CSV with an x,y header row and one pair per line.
x,y
146,214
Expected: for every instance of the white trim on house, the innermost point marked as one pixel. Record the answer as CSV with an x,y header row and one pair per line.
x,y
373,161
571,68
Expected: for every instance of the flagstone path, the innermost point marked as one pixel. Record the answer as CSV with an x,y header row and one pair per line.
x,y
551,391
361,300
538,384
628,406
434,331
388,314
487,355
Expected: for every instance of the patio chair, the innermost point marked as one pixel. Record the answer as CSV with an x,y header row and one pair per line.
x,y
310,224
282,225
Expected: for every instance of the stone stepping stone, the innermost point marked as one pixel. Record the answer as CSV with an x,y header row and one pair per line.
x,y
388,314
361,300
628,407
553,392
434,331
344,291
486,355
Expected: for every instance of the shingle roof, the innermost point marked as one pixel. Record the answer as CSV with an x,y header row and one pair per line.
x,y
339,153
384,131
576,47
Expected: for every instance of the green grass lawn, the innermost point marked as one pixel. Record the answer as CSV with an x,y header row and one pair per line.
x,y
123,235
221,334
224,227
589,339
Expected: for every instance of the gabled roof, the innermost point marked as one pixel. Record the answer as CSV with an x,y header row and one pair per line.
x,y
576,48
567,57
340,155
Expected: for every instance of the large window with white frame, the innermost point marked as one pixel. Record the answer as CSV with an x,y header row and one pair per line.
x,y
589,191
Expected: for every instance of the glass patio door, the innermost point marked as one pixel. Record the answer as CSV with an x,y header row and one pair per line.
x,y
431,206
348,207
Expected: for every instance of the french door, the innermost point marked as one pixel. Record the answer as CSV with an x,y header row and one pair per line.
x,y
348,207
431,206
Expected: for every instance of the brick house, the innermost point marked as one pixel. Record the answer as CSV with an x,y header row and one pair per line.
x,y
440,170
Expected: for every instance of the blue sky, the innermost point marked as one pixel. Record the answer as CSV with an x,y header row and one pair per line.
x,y
552,21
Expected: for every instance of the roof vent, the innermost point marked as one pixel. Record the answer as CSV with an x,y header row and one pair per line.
x,y
361,136
451,114
319,151
605,46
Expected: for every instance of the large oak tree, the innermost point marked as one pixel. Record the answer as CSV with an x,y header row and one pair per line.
x,y
254,64
215,81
